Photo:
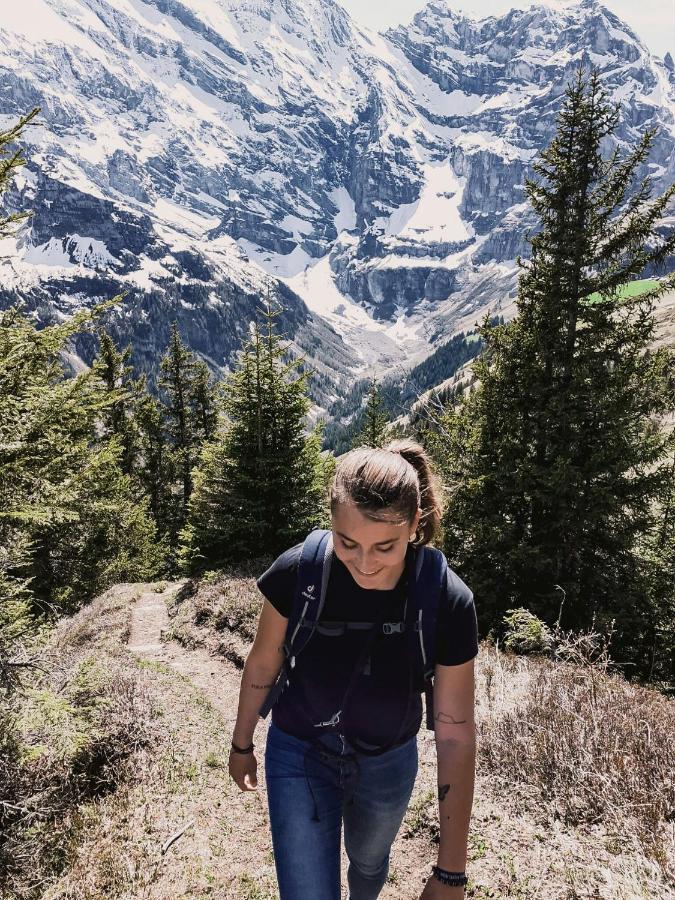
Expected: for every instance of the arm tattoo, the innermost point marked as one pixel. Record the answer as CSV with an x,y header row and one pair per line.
x,y
261,686
442,791
448,719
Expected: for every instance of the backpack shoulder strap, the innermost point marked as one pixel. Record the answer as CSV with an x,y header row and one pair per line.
x,y
308,601
310,593
429,578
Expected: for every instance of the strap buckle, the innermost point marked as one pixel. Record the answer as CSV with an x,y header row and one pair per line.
x,y
334,720
391,627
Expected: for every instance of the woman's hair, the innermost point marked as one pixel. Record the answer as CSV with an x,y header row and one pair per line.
x,y
389,484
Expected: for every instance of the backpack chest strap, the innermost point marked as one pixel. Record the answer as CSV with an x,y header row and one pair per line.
x,y
337,629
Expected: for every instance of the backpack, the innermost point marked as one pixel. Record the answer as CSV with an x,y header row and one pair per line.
x,y
427,573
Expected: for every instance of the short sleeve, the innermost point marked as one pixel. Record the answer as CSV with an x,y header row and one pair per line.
x,y
457,635
277,583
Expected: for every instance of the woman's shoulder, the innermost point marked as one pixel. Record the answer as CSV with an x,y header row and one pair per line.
x,y
286,562
277,582
457,624
455,589
458,590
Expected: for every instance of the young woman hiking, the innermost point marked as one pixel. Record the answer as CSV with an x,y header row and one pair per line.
x,y
341,747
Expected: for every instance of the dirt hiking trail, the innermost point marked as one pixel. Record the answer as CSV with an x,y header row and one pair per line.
x,y
217,679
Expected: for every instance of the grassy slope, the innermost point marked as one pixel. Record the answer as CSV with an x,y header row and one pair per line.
x,y
632,289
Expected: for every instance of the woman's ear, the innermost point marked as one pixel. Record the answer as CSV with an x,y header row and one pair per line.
x,y
415,525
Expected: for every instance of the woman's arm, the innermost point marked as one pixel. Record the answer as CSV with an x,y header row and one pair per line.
x,y
260,671
456,752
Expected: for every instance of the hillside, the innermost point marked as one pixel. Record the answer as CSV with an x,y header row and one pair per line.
x,y
560,806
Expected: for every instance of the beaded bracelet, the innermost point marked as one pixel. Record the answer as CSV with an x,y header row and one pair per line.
x,y
456,879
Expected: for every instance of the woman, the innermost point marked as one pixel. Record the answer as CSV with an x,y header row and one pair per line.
x,y
357,767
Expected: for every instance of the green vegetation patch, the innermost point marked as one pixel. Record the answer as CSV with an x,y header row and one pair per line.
x,y
626,291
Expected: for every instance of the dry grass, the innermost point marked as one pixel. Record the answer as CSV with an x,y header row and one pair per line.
x,y
69,737
181,789
219,612
595,748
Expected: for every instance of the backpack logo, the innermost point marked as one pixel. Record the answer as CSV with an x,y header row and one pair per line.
x,y
308,593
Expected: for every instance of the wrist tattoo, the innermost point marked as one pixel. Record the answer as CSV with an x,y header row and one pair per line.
x,y
448,719
260,686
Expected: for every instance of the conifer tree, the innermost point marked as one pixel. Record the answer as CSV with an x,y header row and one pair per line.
x,y
178,372
63,497
556,461
156,470
260,483
655,632
373,431
123,393
70,523
14,543
189,413
204,402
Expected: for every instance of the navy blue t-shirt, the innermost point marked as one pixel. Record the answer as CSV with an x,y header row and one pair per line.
x,y
376,709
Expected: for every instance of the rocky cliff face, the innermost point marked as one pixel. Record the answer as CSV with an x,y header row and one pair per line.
x,y
484,96
198,154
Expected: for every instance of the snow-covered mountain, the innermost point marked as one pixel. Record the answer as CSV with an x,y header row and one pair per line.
x,y
199,152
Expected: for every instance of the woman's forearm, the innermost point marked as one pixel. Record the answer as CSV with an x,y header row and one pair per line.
x,y
256,682
456,768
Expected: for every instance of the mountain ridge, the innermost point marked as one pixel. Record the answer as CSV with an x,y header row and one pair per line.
x,y
375,180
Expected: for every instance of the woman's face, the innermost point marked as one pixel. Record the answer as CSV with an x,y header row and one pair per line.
x,y
373,552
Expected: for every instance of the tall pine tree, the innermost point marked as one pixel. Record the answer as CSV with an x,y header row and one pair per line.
x,y
188,416
123,393
374,422
178,372
63,495
14,542
70,523
156,471
557,462
260,484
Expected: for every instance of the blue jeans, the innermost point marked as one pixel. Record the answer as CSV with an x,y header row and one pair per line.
x,y
311,788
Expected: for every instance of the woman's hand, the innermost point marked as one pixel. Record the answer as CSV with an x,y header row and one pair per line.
x,y
243,768
435,890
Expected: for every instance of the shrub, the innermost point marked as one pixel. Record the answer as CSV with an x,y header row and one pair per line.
x,y
67,736
525,633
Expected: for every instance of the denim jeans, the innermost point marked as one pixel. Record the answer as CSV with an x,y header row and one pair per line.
x,y
312,787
